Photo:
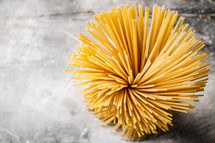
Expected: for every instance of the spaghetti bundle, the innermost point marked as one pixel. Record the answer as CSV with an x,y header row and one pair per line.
x,y
137,74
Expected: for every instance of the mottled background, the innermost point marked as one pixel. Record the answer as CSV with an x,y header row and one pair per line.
x,y
38,103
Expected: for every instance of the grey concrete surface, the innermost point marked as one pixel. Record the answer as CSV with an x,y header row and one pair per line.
x,y
38,103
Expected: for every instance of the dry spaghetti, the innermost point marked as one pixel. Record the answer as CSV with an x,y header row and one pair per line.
x,y
137,74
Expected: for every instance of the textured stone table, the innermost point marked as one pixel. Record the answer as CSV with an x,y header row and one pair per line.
x,y
38,103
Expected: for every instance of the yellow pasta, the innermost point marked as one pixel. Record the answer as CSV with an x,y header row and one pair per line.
x,y
137,73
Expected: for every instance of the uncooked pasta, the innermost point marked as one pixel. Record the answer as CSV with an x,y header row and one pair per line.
x,y
140,69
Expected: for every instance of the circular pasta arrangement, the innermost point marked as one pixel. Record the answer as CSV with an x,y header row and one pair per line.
x,y
137,73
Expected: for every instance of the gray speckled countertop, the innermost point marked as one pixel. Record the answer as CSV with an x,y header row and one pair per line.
x,y
38,103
